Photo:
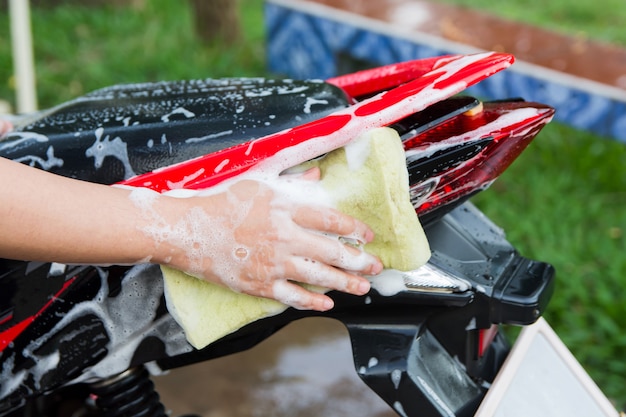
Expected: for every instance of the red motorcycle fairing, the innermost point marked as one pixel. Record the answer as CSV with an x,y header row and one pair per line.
x,y
64,325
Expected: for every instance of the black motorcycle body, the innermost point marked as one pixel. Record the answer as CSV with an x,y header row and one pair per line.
x,y
82,331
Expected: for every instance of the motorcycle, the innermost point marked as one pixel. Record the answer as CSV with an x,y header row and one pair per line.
x,y
87,338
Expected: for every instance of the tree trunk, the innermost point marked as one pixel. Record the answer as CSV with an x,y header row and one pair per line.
x,y
216,20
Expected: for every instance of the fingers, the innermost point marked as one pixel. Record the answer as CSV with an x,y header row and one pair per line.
x,y
283,284
331,251
300,270
311,174
310,271
315,273
300,298
332,221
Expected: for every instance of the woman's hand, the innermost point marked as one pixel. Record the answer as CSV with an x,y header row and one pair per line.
x,y
262,239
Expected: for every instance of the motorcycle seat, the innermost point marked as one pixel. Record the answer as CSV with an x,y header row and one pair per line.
x,y
117,132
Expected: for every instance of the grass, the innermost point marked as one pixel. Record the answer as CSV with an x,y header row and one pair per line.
x,y
562,201
79,49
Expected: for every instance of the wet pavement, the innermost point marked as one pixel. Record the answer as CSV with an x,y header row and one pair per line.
x,y
304,370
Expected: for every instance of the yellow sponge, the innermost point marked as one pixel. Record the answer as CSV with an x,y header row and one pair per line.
x,y
369,181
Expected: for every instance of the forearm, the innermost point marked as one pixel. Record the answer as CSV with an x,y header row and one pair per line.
x,y
51,218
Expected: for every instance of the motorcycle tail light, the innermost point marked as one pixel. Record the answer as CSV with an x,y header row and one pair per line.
x,y
464,154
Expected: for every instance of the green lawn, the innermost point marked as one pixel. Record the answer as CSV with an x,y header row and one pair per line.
x,y
562,201
79,49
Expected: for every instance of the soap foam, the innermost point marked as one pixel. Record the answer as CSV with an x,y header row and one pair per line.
x,y
388,282
357,153
104,147
396,377
50,162
285,293
128,318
